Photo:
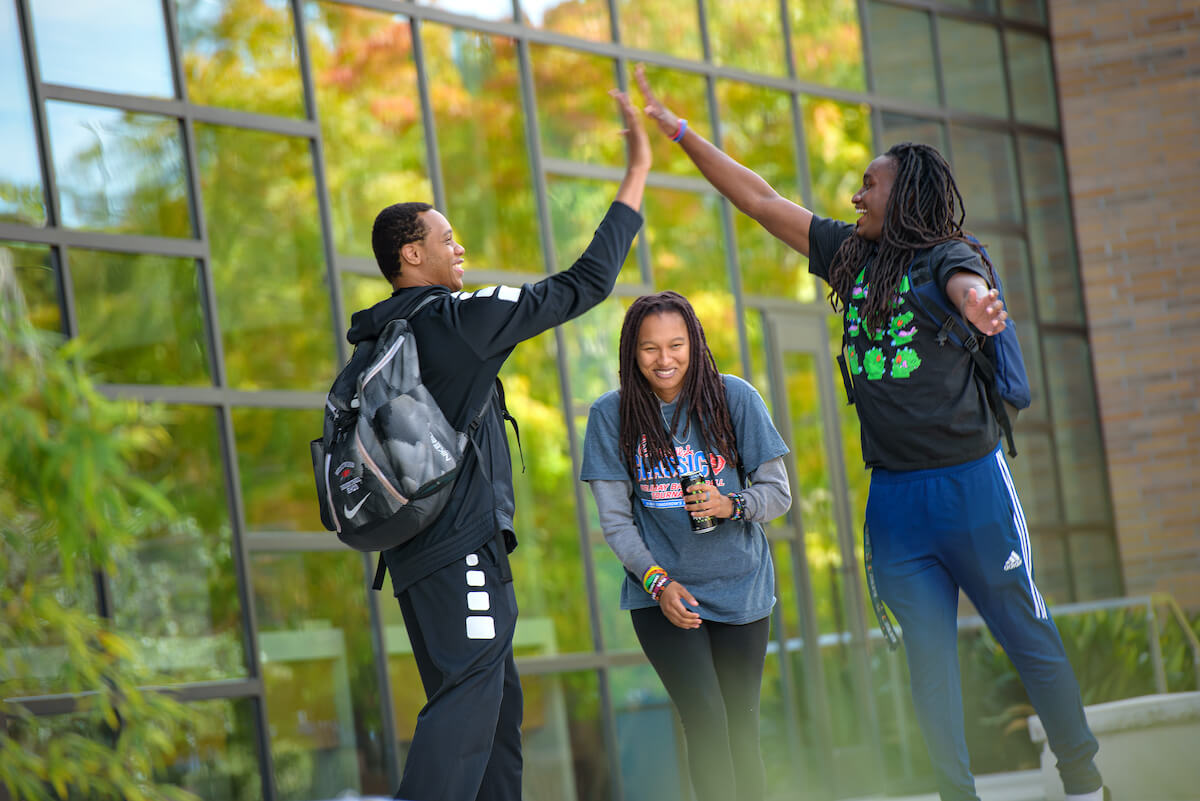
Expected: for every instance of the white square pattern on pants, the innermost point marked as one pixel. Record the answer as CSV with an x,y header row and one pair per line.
x,y
478,601
481,627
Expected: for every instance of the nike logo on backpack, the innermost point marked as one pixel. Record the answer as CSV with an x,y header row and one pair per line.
x,y
351,511
1013,562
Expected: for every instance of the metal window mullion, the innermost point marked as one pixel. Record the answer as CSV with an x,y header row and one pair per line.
x,y
37,99
1008,83
432,154
37,102
733,267
241,566
935,38
375,613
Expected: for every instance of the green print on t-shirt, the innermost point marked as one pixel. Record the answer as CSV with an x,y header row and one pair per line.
x,y
899,328
905,362
875,363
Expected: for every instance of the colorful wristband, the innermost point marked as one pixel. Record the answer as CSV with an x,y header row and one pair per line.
x,y
653,573
739,506
660,584
680,130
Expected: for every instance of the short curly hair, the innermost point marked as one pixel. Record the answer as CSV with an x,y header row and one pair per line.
x,y
395,227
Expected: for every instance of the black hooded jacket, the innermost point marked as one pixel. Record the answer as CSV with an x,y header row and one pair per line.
x,y
463,339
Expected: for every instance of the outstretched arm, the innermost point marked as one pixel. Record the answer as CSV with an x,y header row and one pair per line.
x,y
977,303
754,197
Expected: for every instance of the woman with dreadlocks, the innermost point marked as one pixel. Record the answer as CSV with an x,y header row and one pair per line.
x,y
942,514
699,600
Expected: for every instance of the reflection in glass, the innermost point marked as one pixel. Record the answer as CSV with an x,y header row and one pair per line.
x,y
21,199
577,205
360,292
615,625
562,739
111,45
485,9
663,26
985,6
827,42
551,621
747,35
179,595
1032,70
119,171
1050,569
838,137
577,125
985,170
757,131
34,268
587,19
267,259
318,668
687,95
1028,10
815,504
165,342
1077,429
370,110
902,53
1094,564
480,127
217,759
1051,232
899,128
241,54
972,67
276,468
650,739
1035,478
1008,254
687,255
592,341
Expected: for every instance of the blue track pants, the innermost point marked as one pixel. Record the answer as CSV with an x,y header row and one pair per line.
x,y
933,532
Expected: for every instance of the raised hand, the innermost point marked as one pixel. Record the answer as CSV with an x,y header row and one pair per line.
x,y
985,312
668,121
637,144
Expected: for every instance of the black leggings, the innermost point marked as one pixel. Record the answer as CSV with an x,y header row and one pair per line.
x,y
713,675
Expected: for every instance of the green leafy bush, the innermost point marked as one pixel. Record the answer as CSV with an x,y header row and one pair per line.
x,y
70,506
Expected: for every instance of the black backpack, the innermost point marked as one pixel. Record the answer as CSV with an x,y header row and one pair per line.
x,y
387,458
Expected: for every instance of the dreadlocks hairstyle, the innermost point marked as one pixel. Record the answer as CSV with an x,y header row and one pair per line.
x,y
395,227
924,208
703,391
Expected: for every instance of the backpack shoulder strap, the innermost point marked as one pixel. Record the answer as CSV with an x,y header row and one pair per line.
x,y
954,325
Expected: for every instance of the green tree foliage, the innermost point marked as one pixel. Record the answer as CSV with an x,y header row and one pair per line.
x,y
69,503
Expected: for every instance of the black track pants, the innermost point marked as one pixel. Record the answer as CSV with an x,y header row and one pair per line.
x,y
467,743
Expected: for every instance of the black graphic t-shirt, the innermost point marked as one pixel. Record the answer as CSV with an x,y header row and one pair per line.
x,y
918,402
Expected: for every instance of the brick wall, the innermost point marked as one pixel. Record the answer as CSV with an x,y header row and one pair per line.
x,y
1129,85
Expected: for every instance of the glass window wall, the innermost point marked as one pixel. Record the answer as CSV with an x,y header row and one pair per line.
x,y
197,234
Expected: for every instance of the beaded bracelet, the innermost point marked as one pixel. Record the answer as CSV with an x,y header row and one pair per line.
x,y
680,130
651,575
739,506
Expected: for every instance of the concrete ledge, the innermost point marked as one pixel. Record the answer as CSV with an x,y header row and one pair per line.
x,y
1149,748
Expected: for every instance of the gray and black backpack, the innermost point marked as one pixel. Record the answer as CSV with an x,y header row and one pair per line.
x,y
387,459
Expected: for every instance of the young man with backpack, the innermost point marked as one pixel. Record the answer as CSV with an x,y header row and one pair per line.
x,y
942,513
452,580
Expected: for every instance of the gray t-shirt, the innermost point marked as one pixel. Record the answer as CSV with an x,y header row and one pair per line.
x,y
728,569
